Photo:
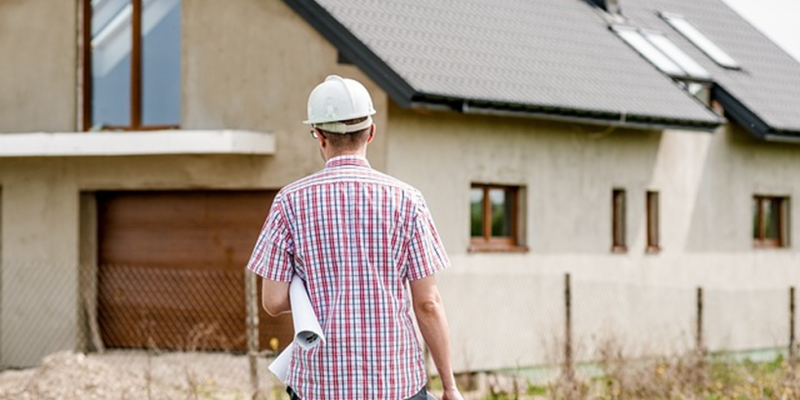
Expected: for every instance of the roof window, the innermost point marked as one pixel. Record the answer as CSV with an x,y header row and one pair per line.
x,y
677,55
661,52
700,40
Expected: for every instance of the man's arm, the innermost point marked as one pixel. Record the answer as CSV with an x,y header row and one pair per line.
x,y
429,310
275,297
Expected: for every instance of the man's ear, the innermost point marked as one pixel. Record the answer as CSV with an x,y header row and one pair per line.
x,y
371,133
321,138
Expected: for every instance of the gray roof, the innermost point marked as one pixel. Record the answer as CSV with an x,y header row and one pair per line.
x,y
769,82
549,57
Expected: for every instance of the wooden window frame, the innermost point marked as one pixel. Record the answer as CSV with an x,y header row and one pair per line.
x,y
761,241
136,72
618,222
488,243
653,208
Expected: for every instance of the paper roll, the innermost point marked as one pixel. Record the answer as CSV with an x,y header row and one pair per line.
x,y
307,331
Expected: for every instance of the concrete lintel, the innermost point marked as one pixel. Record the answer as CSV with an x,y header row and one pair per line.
x,y
74,144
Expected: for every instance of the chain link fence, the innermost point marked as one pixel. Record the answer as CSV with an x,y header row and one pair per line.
x,y
121,332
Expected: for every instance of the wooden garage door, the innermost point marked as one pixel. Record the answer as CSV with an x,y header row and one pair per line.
x,y
171,272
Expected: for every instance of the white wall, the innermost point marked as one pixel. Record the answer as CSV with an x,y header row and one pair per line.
x,y
706,183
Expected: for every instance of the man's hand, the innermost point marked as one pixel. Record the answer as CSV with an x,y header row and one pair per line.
x,y
452,394
429,310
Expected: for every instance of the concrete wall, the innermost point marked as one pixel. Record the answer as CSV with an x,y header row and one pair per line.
x,y
706,183
247,64
38,43
39,274
250,64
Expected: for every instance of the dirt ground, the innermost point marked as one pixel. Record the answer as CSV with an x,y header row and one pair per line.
x,y
135,375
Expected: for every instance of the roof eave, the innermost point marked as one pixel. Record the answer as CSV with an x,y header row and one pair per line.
x,y
554,113
740,114
781,137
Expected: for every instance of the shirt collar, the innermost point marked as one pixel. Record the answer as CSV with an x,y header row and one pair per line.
x,y
347,160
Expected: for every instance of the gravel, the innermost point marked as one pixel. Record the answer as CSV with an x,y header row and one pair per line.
x,y
135,375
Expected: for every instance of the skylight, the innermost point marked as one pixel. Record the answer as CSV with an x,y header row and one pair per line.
x,y
650,52
677,55
700,40
662,53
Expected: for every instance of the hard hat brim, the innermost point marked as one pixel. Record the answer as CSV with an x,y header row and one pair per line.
x,y
339,119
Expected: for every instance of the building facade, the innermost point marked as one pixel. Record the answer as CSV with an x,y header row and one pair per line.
x,y
96,199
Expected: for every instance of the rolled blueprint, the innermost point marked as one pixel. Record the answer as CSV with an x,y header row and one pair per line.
x,y
307,331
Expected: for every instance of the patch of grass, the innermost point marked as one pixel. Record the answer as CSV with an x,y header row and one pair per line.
x,y
534,390
434,383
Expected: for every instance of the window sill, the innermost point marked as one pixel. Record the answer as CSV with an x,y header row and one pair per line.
x,y
135,143
768,246
491,248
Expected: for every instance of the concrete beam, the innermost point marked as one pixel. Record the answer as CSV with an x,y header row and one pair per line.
x,y
73,144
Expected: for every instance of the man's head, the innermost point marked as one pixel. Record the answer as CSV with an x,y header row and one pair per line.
x,y
340,113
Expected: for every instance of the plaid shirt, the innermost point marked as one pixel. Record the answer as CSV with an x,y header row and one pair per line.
x,y
355,236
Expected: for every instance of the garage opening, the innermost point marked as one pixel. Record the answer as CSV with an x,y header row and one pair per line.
x,y
171,270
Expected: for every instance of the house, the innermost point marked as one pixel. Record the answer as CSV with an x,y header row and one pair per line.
x,y
645,144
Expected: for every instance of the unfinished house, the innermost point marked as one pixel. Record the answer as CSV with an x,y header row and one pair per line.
x,y
644,147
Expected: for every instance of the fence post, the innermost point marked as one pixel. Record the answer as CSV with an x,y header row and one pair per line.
x,y
699,323
568,370
251,301
792,354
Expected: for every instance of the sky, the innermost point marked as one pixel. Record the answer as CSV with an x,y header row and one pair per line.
x,y
778,19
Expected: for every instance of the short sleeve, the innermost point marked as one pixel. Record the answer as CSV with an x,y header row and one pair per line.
x,y
426,254
273,255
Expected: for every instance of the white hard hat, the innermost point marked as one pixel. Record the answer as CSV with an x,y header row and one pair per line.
x,y
339,99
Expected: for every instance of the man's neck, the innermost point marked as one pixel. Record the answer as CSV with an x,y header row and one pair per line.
x,y
360,153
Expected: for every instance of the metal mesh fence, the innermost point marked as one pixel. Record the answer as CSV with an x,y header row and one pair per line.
x,y
125,332
117,332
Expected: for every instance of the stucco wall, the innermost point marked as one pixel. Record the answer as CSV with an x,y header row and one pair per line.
x,y
38,41
706,182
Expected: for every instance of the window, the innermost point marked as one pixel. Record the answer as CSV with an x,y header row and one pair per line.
x,y
688,64
661,52
770,221
652,222
132,64
632,37
618,221
700,40
494,218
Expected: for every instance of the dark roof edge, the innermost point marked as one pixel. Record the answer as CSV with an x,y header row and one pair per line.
x,y
354,50
736,111
563,114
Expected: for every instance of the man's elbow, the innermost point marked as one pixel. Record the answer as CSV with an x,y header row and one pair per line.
x,y
272,309
428,307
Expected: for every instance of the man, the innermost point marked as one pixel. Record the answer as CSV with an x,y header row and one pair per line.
x,y
356,237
